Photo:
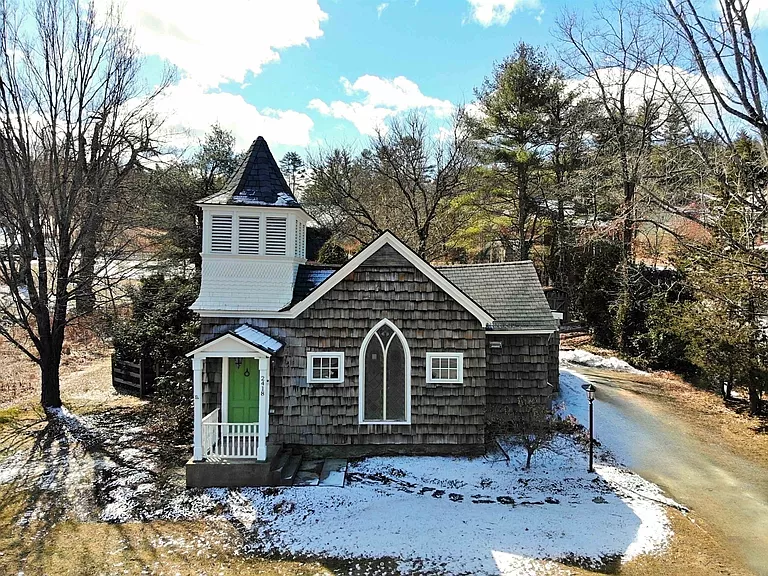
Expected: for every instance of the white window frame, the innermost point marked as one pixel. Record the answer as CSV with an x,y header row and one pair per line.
x,y
459,356
310,358
361,377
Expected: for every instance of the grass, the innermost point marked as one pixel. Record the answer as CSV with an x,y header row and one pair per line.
x,y
210,547
693,550
73,548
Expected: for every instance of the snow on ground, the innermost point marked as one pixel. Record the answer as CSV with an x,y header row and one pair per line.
x,y
423,514
460,515
585,358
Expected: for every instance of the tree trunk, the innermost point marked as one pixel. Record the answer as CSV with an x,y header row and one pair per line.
x,y
754,401
729,384
522,211
85,299
528,459
628,230
50,395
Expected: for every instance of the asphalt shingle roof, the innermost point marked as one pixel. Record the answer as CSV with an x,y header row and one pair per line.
x,y
509,291
257,181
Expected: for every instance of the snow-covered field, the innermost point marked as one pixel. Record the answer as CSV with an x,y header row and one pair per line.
x,y
584,358
424,514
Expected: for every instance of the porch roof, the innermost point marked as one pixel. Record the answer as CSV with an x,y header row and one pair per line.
x,y
245,334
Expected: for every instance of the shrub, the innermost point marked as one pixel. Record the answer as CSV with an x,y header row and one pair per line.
x,y
161,328
528,422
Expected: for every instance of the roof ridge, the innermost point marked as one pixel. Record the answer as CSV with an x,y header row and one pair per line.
x,y
484,264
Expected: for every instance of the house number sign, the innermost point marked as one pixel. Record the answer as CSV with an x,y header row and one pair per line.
x,y
262,384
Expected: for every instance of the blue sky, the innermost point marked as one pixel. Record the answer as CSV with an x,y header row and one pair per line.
x,y
309,73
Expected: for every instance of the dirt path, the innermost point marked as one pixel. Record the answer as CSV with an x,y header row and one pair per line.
x,y
726,491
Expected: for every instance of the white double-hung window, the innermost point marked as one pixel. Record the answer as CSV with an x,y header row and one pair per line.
x,y
325,367
445,368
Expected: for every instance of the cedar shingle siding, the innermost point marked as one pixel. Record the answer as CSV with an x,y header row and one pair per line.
x,y
521,367
444,418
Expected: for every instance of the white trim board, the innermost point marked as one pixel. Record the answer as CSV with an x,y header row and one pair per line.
x,y
489,333
342,273
226,346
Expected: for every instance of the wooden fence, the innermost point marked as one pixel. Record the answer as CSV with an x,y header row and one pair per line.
x,y
137,377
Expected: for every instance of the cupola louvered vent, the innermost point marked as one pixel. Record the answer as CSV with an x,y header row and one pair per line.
x,y
300,240
276,236
221,233
248,235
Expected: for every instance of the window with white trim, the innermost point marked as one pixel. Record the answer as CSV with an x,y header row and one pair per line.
x,y
277,235
248,234
325,367
385,376
445,368
221,233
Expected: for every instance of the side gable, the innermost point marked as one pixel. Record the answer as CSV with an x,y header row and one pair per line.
x,y
387,250
511,291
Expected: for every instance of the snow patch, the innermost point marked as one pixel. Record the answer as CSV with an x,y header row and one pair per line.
x,y
584,358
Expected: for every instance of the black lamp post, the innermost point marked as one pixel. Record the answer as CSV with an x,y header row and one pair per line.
x,y
590,390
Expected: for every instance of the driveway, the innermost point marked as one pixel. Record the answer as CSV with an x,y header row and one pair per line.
x,y
725,490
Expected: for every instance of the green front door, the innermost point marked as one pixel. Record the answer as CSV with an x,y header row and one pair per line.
x,y
243,390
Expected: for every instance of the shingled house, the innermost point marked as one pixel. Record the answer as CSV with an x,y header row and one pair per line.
x,y
386,354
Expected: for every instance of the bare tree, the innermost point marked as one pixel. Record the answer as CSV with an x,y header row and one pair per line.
x,y
724,53
720,88
74,128
612,51
404,182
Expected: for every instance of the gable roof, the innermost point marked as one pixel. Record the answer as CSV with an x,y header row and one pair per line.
x,y
257,181
510,291
247,335
431,273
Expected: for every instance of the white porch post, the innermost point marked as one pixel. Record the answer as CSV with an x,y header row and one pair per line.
x,y
197,383
261,450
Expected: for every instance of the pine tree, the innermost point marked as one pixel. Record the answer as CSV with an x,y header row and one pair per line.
x,y
294,170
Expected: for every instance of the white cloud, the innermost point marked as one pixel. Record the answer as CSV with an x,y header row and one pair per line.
x,y
490,12
382,98
191,109
215,43
381,7
757,11
366,118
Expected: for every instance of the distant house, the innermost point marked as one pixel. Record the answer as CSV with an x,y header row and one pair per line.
x,y
385,354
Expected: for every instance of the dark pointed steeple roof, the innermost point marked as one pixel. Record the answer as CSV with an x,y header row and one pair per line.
x,y
256,182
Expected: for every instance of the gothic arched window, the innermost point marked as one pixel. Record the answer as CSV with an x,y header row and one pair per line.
x,y
385,376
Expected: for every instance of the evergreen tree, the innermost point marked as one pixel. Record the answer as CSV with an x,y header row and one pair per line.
x,y
294,170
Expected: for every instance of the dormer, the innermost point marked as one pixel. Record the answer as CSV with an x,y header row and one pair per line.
x,y
254,238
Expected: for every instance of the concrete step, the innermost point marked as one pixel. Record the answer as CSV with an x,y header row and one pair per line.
x,y
309,473
289,471
280,460
333,472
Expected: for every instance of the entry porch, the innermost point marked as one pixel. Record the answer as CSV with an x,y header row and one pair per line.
x,y
231,422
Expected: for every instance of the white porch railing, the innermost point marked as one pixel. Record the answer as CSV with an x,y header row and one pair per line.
x,y
229,440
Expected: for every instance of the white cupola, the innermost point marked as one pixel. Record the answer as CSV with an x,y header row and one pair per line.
x,y
254,239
